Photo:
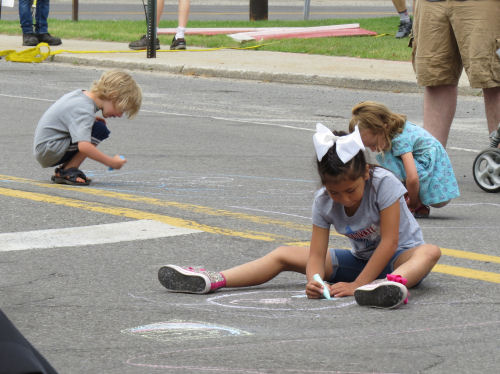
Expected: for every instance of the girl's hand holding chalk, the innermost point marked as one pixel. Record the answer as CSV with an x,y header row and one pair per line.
x,y
326,290
121,160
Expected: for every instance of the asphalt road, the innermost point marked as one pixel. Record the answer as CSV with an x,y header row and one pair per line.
x,y
226,168
217,11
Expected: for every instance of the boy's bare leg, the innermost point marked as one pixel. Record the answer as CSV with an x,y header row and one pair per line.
x,y
75,162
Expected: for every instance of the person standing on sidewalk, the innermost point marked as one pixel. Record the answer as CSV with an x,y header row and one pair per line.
x,y
178,42
40,33
449,36
405,23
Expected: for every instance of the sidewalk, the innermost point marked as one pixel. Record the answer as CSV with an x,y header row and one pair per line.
x,y
345,72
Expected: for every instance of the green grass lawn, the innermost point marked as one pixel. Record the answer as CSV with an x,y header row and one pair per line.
x,y
385,46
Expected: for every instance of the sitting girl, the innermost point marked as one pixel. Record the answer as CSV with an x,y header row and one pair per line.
x,y
415,156
363,202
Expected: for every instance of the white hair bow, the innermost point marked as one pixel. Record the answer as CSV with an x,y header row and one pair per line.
x,y
348,146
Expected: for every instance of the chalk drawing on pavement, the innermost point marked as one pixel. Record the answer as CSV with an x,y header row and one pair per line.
x,y
276,300
183,330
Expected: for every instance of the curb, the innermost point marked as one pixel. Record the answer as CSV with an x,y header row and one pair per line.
x,y
389,85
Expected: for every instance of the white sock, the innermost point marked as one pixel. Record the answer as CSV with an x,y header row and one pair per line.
x,y
180,33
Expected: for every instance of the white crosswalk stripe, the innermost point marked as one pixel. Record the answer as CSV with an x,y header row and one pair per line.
x,y
89,235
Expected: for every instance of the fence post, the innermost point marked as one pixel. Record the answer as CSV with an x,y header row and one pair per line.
x,y
258,10
307,4
75,10
151,30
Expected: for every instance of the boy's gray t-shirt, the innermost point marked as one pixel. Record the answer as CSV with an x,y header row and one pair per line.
x,y
382,190
68,120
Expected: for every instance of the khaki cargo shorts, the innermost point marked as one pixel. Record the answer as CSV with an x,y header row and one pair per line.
x,y
450,35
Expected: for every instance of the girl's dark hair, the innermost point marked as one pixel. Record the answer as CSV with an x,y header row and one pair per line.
x,y
332,169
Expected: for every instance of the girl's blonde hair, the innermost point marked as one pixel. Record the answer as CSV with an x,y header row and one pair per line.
x,y
376,117
121,89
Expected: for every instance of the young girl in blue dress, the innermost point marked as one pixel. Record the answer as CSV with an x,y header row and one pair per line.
x,y
363,202
413,154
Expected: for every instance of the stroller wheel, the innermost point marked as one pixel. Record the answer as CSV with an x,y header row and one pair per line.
x,y
486,170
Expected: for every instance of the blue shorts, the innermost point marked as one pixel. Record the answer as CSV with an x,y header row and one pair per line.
x,y
346,267
99,132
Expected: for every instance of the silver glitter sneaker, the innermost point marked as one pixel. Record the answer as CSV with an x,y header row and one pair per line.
x,y
190,280
381,293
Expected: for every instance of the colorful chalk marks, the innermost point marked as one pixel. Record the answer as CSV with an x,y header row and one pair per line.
x,y
183,330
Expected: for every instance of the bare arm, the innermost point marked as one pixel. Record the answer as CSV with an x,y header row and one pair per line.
x,y
412,182
316,262
389,232
91,151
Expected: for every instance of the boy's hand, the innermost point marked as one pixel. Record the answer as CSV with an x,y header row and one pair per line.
x,y
117,162
314,290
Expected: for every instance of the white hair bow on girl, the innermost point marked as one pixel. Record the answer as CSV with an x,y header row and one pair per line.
x,y
348,146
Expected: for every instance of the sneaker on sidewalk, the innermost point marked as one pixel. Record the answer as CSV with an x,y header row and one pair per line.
x,y
404,29
30,40
178,279
381,293
49,39
178,44
142,43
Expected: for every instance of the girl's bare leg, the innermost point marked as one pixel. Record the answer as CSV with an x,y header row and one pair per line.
x,y
266,268
416,263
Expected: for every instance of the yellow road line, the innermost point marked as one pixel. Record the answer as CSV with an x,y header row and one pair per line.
x,y
138,214
467,273
253,235
470,255
157,202
224,213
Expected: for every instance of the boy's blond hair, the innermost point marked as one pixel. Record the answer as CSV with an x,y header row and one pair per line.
x,y
376,117
121,89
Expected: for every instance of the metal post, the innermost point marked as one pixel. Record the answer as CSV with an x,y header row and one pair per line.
x,y
307,4
151,29
75,11
258,10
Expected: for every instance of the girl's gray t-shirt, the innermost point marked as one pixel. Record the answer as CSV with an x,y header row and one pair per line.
x,y
68,120
382,190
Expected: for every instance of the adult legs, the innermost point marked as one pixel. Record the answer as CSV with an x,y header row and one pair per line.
x,y
400,5
183,13
440,104
160,5
41,16
492,107
25,16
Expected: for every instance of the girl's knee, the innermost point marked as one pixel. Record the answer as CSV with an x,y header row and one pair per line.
x,y
433,252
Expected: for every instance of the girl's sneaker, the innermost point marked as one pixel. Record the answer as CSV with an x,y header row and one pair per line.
x,y
178,279
383,293
423,211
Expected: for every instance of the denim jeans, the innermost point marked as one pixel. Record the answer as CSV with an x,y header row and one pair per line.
x,y
42,13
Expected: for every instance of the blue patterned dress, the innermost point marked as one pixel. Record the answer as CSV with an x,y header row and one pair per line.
x,y
435,173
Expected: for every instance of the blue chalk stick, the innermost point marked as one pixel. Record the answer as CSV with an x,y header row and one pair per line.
x,y
326,292
110,168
